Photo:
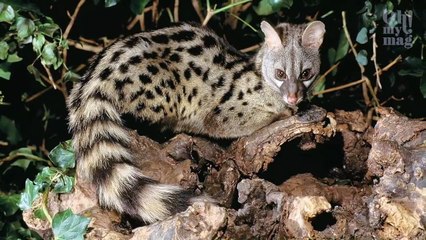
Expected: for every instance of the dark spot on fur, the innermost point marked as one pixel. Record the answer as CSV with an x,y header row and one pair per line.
x,y
116,56
145,79
258,86
217,110
240,114
225,119
124,68
206,75
149,94
119,84
175,57
137,94
219,59
166,52
160,38
209,41
135,60
150,55
131,42
164,66
240,95
245,103
195,68
219,83
152,69
171,84
176,75
231,109
105,73
195,51
184,35
157,109
228,94
158,90
187,73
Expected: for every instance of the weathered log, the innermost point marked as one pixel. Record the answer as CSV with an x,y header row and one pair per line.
x,y
379,192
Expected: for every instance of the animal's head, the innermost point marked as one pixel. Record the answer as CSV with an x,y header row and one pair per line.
x,y
290,58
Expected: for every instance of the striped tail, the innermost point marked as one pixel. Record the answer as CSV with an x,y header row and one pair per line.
x,y
102,146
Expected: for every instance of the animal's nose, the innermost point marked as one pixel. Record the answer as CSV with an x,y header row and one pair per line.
x,y
292,99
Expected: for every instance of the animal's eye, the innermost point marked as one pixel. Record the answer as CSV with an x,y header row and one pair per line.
x,y
305,75
280,75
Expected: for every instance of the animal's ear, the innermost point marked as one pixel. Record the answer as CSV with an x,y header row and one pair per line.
x,y
313,35
271,36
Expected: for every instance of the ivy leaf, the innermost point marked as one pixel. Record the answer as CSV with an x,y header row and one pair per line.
x,y
49,55
63,155
48,29
30,194
6,13
4,50
267,7
342,47
64,184
67,225
45,177
110,3
36,73
72,76
361,57
20,163
9,204
413,67
13,58
137,6
38,42
4,71
362,36
8,128
25,27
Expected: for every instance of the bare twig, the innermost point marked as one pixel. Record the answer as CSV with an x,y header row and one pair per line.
x,y
85,46
176,11
374,59
49,74
387,67
73,17
198,10
340,87
139,19
366,84
251,48
155,11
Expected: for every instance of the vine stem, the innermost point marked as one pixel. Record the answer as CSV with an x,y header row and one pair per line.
x,y
44,207
366,86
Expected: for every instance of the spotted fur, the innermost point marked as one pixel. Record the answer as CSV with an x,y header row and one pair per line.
x,y
185,77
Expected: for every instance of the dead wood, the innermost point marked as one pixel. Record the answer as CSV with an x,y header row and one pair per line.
x,y
378,191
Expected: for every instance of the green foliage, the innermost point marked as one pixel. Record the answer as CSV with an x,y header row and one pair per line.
x,y
41,32
267,7
68,226
63,155
53,179
30,194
